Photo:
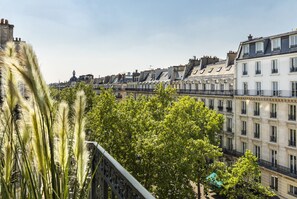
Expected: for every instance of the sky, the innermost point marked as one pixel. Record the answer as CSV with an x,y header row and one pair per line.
x,y
105,37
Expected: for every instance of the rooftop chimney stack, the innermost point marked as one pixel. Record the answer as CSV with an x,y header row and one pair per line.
x,y
250,37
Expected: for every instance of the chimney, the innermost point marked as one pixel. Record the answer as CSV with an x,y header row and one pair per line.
x,y
250,37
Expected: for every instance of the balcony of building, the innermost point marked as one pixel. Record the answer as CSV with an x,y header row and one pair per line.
x,y
110,179
273,139
273,114
243,132
220,108
292,143
206,92
267,93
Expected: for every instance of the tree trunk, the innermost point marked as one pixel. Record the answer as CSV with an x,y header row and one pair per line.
x,y
198,190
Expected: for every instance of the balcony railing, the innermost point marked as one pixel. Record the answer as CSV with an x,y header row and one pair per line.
x,y
292,117
292,143
220,108
243,111
111,178
257,135
256,113
272,138
206,92
211,107
268,93
293,69
258,72
229,109
274,70
273,114
140,89
244,72
243,132
229,129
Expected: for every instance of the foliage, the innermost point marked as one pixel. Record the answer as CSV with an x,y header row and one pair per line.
x,y
242,180
42,155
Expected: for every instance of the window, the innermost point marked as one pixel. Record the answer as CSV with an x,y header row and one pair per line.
x,y
212,87
229,124
275,91
203,100
244,69
211,103
258,68
293,40
256,109
245,88
229,144
230,87
274,158
257,151
273,113
258,88
273,134
243,128
274,183
243,107
222,87
274,68
294,88
293,164
229,106
257,130
221,105
292,112
293,190
246,49
259,47
275,44
243,146
292,138
293,64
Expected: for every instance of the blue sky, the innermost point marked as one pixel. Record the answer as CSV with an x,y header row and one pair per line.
x,y
106,37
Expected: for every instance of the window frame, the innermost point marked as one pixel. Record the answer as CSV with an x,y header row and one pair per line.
x,y
275,44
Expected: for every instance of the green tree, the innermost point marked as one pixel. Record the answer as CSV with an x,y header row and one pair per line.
x,y
242,180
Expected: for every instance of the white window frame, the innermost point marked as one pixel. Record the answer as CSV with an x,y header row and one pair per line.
x,y
293,40
244,69
274,65
259,47
275,44
258,67
246,49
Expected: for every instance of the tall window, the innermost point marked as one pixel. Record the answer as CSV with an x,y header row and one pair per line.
x,y
274,67
222,87
294,88
275,89
204,86
293,67
229,106
293,40
220,105
274,158
259,47
211,103
243,146
274,182
257,130
293,164
229,124
212,87
243,107
292,112
292,137
293,190
273,134
243,127
246,49
256,109
229,144
257,151
244,69
273,113
276,44
245,88
258,68
258,88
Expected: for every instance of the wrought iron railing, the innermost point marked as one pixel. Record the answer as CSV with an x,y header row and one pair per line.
x,y
110,179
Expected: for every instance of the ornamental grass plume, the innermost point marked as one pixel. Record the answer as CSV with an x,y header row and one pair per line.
x,y
36,146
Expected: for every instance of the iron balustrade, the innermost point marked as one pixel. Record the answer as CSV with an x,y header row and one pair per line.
x,y
111,178
220,108
229,129
229,109
243,111
266,164
273,114
244,72
292,117
292,143
256,113
274,70
243,132
258,72
272,138
211,107
206,92
257,135
293,69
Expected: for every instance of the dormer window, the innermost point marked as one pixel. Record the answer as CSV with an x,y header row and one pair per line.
x,y
245,49
276,44
259,47
293,41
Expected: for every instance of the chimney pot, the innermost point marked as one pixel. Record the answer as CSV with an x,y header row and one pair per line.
x,y
6,21
250,37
